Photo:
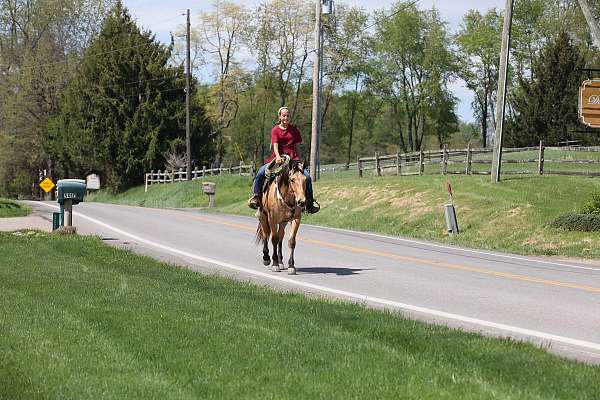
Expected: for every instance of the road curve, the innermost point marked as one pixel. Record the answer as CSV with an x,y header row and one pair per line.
x,y
552,304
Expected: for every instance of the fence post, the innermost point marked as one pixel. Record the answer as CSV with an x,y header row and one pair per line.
x,y
541,159
469,159
229,170
421,162
241,167
195,173
398,167
359,166
158,177
181,173
445,159
377,166
220,169
203,171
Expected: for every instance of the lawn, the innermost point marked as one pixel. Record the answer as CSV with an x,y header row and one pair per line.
x,y
89,321
11,209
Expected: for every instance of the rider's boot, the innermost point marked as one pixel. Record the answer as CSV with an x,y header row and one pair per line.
x,y
311,207
254,201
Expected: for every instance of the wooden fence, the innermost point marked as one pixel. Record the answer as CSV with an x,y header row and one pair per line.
x,y
166,176
416,162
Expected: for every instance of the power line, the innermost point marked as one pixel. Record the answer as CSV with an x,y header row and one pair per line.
x,y
398,11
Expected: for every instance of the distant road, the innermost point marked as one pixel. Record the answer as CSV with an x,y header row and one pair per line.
x,y
550,303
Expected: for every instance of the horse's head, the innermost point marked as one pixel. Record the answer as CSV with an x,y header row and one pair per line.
x,y
297,183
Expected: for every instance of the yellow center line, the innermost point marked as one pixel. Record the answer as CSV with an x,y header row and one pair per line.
x,y
392,256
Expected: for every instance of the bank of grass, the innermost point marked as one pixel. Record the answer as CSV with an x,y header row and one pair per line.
x,y
10,209
90,321
513,216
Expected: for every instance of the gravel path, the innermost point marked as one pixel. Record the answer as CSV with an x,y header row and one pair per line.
x,y
36,220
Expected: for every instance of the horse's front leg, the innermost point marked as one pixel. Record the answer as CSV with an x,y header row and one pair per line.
x,y
292,243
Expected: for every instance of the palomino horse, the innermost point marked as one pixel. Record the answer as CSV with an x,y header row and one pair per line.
x,y
283,202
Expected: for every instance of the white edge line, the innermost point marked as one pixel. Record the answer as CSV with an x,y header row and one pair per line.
x,y
376,300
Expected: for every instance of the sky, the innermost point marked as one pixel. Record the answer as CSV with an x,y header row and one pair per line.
x,y
163,17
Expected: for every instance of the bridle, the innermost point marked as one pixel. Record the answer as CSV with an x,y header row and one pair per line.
x,y
280,196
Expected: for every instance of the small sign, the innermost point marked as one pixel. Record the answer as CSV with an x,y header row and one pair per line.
x,y
449,187
47,185
589,103
92,182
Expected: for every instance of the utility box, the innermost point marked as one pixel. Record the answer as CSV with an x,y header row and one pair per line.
x,y
209,188
451,222
71,189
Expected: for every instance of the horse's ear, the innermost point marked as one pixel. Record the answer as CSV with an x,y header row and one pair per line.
x,y
300,164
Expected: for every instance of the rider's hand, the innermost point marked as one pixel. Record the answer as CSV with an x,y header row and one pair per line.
x,y
278,160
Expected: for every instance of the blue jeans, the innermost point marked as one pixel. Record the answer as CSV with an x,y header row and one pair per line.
x,y
260,177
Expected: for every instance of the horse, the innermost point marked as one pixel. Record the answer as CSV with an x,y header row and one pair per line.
x,y
282,202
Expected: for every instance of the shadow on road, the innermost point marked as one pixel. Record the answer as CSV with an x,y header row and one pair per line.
x,y
332,270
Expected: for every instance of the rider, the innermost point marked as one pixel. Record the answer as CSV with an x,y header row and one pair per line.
x,y
285,138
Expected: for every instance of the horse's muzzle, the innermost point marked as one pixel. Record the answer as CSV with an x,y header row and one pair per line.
x,y
301,203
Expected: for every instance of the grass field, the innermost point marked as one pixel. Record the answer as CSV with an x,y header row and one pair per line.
x,y
10,209
88,321
511,216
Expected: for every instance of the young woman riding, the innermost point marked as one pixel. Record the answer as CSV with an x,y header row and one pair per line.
x,y
285,139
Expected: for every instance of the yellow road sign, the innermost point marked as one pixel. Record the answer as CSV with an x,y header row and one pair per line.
x,y
47,185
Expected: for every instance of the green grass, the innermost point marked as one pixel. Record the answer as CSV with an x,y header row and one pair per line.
x,y
10,209
83,320
513,216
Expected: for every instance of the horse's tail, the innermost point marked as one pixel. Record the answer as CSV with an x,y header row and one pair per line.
x,y
260,235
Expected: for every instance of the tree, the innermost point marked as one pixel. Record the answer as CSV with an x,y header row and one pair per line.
x,y
546,107
478,42
220,31
40,45
125,109
413,63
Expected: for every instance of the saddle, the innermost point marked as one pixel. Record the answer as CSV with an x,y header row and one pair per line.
x,y
273,171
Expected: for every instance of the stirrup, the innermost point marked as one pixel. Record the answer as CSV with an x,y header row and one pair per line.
x,y
254,202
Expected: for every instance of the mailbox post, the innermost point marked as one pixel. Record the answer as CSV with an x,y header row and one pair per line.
x,y
209,189
70,192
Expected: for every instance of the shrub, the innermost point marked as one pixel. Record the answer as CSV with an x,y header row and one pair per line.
x,y
578,222
593,205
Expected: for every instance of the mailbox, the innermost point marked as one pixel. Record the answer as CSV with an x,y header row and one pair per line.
x,y
71,189
208,187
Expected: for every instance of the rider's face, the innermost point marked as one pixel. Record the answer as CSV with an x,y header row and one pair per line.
x,y
284,117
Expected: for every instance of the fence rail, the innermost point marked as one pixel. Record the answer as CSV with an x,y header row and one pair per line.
x,y
166,176
404,163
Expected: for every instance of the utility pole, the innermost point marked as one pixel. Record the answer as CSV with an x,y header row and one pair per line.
x,y
501,102
188,139
314,137
591,21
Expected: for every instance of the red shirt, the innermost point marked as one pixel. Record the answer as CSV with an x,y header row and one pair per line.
x,y
286,139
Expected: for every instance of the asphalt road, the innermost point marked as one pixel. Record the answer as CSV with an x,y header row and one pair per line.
x,y
552,303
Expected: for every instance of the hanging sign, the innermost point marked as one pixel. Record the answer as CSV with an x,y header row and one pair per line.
x,y
589,103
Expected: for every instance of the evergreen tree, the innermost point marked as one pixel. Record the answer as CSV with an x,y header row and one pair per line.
x,y
126,109
546,106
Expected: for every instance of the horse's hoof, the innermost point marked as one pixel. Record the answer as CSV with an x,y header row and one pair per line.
x,y
291,271
275,268
266,262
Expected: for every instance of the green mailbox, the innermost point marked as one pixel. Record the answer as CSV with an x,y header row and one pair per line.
x,y
71,189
